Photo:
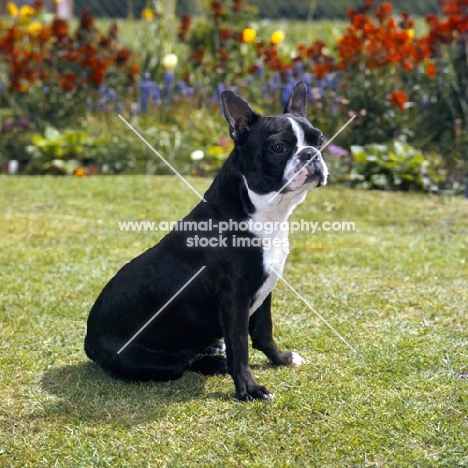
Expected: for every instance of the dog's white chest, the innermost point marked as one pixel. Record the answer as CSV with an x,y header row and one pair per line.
x,y
271,218
273,265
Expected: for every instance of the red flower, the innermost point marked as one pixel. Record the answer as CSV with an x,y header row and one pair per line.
x,y
122,57
398,99
86,21
384,11
237,5
431,70
226,34
185,22
67,81
59,30
217,7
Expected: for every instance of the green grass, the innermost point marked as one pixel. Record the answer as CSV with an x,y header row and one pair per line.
x,y
396,289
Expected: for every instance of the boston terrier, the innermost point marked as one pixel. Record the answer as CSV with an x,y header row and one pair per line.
x,y
181,298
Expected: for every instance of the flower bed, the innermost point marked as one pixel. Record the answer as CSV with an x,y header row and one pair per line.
x,y
400,85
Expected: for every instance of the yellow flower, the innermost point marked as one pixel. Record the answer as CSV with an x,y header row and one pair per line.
x,y
170,61
248,35
27,10
148,14
12,9
34,28
410,34
277,37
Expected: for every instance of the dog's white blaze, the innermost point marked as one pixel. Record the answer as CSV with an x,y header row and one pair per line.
x,y
277,211
298,132
291,166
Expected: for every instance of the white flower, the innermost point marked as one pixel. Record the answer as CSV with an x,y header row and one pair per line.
x,y
170,61
197,155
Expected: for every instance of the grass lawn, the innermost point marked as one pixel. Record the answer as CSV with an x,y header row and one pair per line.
x,y
396,289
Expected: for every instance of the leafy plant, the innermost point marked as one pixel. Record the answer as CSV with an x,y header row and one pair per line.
x,y
394,166
62,152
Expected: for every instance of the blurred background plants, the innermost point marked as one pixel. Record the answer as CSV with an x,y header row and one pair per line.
x,y
406,80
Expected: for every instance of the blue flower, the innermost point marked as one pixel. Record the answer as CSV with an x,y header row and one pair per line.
x,y
169,78
145,89
111,95
287,90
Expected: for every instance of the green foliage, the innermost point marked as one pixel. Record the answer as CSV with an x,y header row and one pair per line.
x,y
394,166
61,152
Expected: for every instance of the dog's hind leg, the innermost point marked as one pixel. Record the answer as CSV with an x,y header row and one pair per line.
x,y
140,364
209,365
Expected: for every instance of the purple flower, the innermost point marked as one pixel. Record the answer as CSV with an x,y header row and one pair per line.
x,y
337,151
23,124
7,127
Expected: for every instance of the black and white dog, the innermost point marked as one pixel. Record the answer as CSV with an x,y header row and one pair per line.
x,y
231,297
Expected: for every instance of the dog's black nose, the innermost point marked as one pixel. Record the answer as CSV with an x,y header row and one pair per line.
x,y
308,154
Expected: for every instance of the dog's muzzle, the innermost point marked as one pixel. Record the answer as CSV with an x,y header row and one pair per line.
x,y
307,167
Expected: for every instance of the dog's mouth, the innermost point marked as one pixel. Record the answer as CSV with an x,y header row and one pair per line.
x,y
311,175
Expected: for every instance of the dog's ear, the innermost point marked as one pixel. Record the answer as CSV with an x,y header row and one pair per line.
x,y
297,103
239,115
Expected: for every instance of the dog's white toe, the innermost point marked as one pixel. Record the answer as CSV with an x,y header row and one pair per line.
x,y
296,360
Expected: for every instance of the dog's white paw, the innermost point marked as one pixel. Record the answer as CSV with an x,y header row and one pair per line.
x,y
296,360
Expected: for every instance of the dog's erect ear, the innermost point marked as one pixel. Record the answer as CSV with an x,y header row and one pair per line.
x,y
297,103
239,115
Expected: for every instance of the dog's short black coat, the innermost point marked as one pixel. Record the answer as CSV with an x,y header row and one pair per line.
x,y
219,302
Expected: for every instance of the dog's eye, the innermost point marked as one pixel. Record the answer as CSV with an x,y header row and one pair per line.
x,y
279,148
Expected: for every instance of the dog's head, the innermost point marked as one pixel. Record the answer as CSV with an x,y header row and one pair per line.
x,y
279,153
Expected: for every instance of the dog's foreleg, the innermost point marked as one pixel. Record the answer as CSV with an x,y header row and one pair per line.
x,y
235,323
261,332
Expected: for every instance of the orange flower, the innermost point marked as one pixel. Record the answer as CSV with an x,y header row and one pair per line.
x,y
407,65
321,69
134,69
384,11
79,172
398,99
67,81
431,70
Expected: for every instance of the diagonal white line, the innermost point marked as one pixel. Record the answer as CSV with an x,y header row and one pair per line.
x,y
313,157
314,311
161,309
160,157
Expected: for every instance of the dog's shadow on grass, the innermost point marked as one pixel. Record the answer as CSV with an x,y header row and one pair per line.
x,y
84,392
